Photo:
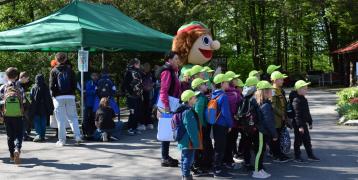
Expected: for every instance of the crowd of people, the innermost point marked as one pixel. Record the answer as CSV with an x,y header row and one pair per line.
x,y
216,109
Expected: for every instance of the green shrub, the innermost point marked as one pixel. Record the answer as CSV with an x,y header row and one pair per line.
x,y
346,108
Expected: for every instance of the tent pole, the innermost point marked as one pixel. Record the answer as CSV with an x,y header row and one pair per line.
x,y
82,93
102,60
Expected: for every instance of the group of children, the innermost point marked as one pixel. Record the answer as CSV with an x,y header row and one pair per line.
x,y
225,107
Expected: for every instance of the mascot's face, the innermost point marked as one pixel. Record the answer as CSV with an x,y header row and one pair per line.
x,y
202,49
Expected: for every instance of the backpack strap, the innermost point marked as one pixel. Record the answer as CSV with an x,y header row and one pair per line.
x,y
217,98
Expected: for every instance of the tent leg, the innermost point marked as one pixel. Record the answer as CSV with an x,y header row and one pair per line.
x,y
82,94
102,60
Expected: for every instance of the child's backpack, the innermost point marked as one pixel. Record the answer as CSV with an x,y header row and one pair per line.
x,y
13,102
104,88
247,116
213,112
63,80
177,124
285,141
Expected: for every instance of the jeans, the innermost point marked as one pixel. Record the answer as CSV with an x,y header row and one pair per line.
x,y
220,133
15,132
65,110
304,139
88,125
40,125
135,112
187,158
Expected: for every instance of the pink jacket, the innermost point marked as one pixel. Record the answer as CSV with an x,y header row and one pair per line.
x,y
165,81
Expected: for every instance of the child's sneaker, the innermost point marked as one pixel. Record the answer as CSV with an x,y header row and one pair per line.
x,y
60,143
299,160
313,158
17,159
78,140
264,172
141,127
260,174
37,139
131,132
12,158
150,126
222,175
104,137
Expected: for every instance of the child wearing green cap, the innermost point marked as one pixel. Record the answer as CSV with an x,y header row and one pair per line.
x,y
279,104
185,81
302,121
204,157
191,139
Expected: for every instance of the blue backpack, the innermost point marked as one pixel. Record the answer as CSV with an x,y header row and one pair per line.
x,y
177,124
64,80
104,88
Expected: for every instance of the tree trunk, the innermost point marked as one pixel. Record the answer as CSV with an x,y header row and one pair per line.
x,y
254,35
262,11
278,42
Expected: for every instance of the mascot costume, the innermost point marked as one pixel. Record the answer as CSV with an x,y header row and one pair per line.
x,y
194,45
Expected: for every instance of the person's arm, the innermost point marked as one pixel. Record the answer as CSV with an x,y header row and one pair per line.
x,y
191,127
200,108
89,89
299,113
165,80
52,82
73,81
268,120
276,105
309,120
96,120
225,111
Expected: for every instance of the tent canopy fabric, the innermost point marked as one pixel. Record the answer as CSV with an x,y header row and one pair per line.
x,y
96,27
350,48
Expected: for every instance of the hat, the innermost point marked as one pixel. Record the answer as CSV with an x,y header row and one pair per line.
x,y
196,69
240,83
263,85
186,95
278,75
301,83
191,26
251,81
271,68
254,73
208,69
197,82
187,72
231,74
221,78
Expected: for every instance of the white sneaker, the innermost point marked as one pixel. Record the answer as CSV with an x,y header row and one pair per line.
x,y
105,137
78,140
60,143
150,126
264,172
141,127
260,175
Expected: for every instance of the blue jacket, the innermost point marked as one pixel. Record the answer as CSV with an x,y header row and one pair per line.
x,y
225,117
267,124
90,93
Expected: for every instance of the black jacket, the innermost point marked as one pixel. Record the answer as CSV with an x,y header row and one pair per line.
x,y
104,117
54,82
301,110
133,82
41,101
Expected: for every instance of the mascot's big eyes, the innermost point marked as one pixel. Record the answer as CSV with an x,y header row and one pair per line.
x,y
206,40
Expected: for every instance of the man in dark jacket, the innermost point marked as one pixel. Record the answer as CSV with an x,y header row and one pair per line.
x,y
133,88
302,121
63,86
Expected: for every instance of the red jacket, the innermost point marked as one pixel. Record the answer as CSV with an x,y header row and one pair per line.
x,y
165,81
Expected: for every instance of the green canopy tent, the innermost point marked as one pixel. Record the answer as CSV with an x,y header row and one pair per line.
x,y
83,25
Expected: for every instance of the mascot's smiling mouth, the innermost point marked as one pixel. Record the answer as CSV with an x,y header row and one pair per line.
x,y
206,53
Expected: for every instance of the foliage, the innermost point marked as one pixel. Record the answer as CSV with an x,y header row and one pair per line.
x,y
346,106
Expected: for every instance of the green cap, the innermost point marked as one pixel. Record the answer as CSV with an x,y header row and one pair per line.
x,y
231,74
240,83
187,73
208,69
254,73
221,78
271,68
263,85
186,95
196,69
278,75
251,81
197,82
300,84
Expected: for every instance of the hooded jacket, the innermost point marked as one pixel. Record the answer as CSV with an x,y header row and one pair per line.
x,y
90,93
267,120
54,83
200,107
301,110
133,82
225,117
279,104
235,99
41,101
192,138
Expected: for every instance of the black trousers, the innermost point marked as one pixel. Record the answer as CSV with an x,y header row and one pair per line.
x,y
246,143
275,145
88,125
302,138
134,105
220,133
147,108
15,132
204,158
231,145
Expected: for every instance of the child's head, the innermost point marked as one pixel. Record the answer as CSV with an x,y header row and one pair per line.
x,y
197,71
264,91
186,75
238,84
135,62
255,73
221,81
277,78
189,97
200,85
12,73
251,81
24,77
301,87
208,70
61,58
104,102
233,76
94,76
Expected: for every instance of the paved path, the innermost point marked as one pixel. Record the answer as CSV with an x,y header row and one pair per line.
x,y
139,157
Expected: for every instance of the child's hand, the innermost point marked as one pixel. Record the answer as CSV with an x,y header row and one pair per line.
x,y
229,130
301,130
274,139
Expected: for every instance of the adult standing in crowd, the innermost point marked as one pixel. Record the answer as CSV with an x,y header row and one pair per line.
x,y
63,86
148,93
133,89
88,125
169,86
